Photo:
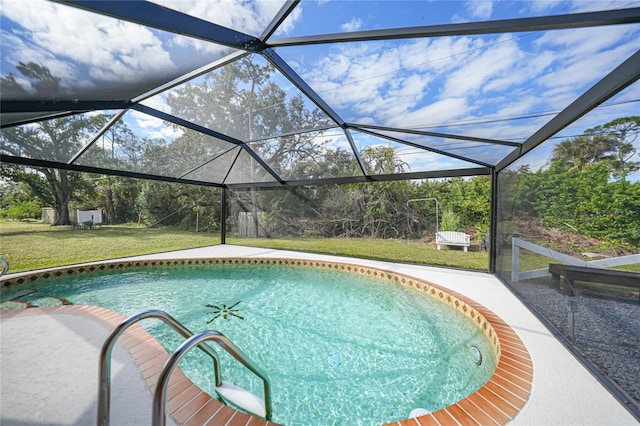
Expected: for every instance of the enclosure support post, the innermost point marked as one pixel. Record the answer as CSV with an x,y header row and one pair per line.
x,y
515,259
573,308
493,222
223,217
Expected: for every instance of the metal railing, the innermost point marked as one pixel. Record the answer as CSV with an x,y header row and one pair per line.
x,y
160,394
104,377
517,243
5,266
159,397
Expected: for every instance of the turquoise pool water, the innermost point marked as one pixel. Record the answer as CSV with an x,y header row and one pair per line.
x,y
339,348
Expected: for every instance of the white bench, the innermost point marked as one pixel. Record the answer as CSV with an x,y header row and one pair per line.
x,y
453,238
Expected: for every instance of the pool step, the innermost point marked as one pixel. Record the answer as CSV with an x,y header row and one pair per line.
x,y
242,399
14,304
30,298
49,301
19,295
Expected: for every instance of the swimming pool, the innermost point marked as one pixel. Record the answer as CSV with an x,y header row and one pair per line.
x,y
358,365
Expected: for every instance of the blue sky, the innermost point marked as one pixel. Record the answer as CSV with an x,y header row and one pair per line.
x,y
473,85
319,17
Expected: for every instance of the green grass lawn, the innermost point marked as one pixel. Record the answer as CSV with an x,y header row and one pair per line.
x,y
405,251
34,245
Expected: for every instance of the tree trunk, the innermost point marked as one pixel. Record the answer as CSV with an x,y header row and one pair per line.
x,y
59,186
62,213
110,204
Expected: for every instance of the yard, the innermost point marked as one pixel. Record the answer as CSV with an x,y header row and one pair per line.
x,y
34,245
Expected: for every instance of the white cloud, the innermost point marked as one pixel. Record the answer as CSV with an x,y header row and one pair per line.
x,y
410,89
352,74
584,41
430,81
438,55
584,55
65,40
288,25
158,102
151,127
353,25
525,69
373,79
574,6
247,17
479,9
481,66
473,10
589,6
539,7
422,160
441,111
214,51
388,83
405,83
23,52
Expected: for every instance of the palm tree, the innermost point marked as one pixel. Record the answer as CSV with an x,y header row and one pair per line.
x,y
581,151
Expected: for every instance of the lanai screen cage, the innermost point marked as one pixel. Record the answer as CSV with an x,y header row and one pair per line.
x,y
269,97
268,94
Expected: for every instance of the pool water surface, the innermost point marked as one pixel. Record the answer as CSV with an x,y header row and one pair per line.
x,y
338,347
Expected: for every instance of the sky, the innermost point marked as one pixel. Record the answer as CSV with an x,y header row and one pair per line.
x,y
502,86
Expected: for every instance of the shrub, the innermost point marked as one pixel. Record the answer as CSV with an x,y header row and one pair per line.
x,y
22,211
450,221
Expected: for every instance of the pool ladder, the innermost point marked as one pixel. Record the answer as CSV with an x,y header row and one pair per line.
x,y
5,266
228,392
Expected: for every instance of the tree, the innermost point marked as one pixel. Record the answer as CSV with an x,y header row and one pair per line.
x,y
58,140
471,198
243,100
41,82
377,210
160,203
588,202
17,201
119,137
610,143
581,151
170,204
117,196
620,134
576,191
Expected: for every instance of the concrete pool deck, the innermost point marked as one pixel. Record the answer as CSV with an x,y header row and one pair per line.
x,y
563,392
49,373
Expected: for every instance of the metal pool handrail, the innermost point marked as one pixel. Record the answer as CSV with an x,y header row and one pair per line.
x,y
160,394
104,378
5,266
